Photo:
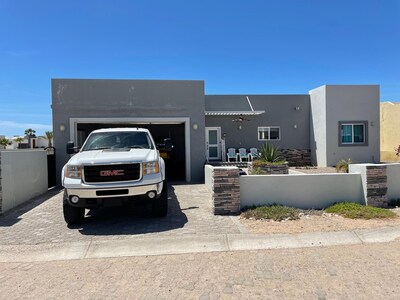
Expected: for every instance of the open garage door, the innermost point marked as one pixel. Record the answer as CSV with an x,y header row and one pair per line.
x,y
176,169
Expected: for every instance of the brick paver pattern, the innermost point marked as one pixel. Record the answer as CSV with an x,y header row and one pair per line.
x,y
41,221
368,271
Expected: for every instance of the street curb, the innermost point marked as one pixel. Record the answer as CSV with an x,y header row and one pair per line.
x,y
149,246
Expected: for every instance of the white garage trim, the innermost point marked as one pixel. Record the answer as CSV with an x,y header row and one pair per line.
x,y
73,130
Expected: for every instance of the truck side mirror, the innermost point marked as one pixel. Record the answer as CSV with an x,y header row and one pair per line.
x,y
70,147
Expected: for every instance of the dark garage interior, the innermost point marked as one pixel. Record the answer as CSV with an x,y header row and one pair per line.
x,y
175,164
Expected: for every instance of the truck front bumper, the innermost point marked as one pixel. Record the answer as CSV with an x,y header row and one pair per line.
x,y
115,192
105,197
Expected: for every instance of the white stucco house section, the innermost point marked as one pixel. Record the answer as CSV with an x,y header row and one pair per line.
x,y
352,103
334,105
318,126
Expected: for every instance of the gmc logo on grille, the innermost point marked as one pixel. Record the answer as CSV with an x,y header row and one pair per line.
x,y
106,173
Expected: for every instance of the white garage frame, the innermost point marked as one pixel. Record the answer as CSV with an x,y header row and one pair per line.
x,y
73,130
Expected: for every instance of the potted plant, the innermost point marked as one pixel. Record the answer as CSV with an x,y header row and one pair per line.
x,y
269,161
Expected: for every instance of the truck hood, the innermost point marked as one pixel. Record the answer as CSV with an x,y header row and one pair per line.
x,y
113,156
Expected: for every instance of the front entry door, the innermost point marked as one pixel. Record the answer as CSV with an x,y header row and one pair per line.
x,y
213,143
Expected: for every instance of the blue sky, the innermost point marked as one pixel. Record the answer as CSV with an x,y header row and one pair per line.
x,y
237,47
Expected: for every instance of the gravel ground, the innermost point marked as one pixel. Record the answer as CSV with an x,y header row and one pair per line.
x,y
316,222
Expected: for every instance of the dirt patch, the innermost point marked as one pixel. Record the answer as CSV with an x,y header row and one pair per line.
x,y
314,170
316,222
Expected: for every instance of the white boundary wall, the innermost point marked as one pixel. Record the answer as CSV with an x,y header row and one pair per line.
x,y
23,176
393,181
302,191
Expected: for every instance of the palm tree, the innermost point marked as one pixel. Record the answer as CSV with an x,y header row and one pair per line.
x,y
4,142
49,137
30,132
19,140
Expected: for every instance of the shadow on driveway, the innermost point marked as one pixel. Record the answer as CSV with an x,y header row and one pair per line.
x,y
133,220
13,216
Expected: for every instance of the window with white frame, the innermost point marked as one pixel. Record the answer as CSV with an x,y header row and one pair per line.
x,y
353,133
270,133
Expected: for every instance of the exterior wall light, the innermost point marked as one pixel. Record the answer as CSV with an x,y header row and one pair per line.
x,y
297,108
295,126
240,127
195,126
62,128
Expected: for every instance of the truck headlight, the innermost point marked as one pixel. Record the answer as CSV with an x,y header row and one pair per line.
x,y
74,172
151,167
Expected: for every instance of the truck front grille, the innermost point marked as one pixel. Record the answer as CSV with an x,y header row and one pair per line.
x,y
111,173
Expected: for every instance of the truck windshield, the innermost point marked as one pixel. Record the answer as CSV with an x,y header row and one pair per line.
x,y
118,140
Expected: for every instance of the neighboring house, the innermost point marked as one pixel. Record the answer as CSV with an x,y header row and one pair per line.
x,y
39,142
22,145
28,142
331,123
390,131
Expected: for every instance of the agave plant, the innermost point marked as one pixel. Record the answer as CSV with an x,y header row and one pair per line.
x,y
343,165
270,153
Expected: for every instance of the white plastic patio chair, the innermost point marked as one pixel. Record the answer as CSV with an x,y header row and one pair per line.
x,y
231,154
253,154
243,154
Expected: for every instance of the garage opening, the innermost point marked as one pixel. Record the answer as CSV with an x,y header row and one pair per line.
x,y
174,161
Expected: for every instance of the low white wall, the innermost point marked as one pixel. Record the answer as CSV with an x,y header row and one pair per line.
x,y
208,176
393,181
24,176
301,191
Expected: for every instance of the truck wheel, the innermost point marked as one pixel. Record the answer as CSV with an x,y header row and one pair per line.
x,y
160,205
72,214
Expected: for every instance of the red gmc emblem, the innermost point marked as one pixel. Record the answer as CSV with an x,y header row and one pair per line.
x,y
106,173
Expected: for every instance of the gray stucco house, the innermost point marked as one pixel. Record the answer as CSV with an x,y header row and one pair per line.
x,y
329,123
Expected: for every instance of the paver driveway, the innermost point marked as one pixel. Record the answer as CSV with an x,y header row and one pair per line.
x,y
41,220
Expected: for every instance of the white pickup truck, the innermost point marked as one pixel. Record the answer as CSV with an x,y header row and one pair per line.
x,y
114,167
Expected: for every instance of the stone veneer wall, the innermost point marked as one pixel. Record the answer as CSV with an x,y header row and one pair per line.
x,y
376,186
270,169
297,157
225,190
1,191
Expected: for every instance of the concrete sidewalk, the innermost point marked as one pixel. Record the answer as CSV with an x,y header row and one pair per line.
x,y
148,246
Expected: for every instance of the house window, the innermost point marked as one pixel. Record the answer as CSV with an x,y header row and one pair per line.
x,y
353,133
269,133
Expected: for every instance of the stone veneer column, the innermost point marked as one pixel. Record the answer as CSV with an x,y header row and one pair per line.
x,y
376,186
1,190
225,190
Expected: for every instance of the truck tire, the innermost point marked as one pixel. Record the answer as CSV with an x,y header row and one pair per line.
x,y
72,214
160,205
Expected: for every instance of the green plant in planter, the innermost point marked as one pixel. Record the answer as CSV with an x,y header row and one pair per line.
x,y
270,153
